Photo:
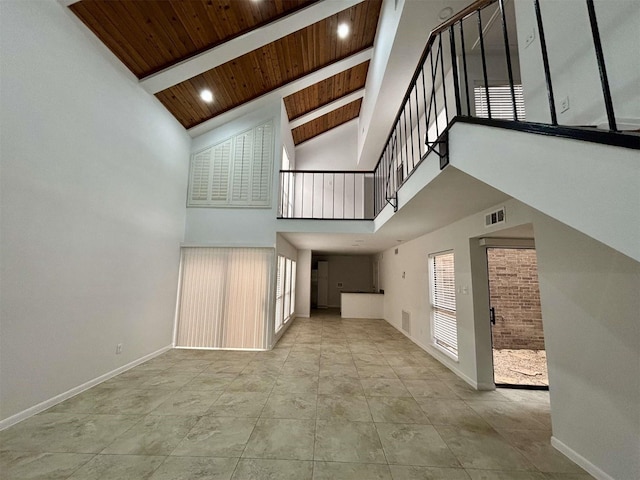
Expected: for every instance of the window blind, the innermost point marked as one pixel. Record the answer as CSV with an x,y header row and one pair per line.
x,y
500,101
443,302
225,297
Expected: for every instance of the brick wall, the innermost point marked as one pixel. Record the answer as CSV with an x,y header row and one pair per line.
x,y
513,286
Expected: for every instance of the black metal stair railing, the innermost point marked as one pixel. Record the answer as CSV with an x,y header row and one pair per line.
x,y
444,89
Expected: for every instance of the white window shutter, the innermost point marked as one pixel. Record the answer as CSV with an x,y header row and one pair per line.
x,y
200,177
242,154
262,164
236,172
220,177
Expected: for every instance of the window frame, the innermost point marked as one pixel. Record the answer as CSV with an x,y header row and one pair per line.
x,y
252,173
439,343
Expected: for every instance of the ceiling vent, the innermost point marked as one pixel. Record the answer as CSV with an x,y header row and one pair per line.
x,y
495,218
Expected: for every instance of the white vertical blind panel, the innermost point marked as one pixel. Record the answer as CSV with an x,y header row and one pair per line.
x,y
293,288
224,300
280,274
287,289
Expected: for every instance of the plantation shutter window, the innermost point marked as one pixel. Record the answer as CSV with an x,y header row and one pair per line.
x,y
235,172
443,302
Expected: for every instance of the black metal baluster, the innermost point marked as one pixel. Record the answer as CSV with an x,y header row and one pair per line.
x,y
434,73
608,102
444,82
508,55
454,69
464,65
484,64
418,121
413,153
545,62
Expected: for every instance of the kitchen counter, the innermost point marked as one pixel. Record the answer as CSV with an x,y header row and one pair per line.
x,y
362,305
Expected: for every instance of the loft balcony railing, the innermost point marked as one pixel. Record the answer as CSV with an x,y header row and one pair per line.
x,y
326,195
454,81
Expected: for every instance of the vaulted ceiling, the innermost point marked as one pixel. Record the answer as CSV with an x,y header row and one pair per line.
x,y
241,50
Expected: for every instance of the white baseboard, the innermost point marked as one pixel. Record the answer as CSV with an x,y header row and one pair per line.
x,y
435,354
42,406
579,460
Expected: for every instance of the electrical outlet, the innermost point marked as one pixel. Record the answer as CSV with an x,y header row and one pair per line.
x,y
564,104
118,349
531,36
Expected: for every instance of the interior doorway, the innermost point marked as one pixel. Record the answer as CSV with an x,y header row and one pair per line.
x,y
519,356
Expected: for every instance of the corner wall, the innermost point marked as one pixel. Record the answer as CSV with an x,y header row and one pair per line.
x,y
94,179
590,305
238,227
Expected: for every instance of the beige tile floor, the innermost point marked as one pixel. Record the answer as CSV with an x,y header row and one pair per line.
x,y
336,399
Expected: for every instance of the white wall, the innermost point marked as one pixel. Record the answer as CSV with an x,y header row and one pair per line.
x,y
94,177
572,60
248,227
333,150
303,284
353,271
589,186
590,314
590,306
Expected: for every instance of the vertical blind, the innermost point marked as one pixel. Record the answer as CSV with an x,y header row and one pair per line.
x,y
443,302
225,297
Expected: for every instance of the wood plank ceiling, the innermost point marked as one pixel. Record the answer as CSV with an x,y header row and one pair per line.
x,y
153,35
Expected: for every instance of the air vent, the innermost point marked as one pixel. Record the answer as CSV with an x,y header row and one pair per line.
x,y
406,322
495,218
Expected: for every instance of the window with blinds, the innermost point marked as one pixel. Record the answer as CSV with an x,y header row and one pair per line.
x,y
234,173
225,298
444,327
285,291
500,101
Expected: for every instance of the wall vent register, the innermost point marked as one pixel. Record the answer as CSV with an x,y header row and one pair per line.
x,y
495,218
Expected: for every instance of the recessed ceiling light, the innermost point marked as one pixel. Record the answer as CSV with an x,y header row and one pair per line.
x,y
343,30
206,95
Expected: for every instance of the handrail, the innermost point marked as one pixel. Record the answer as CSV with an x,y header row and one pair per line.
x,y
461,15
427,111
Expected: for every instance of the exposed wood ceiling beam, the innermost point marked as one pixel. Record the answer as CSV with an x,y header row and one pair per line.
x,y
244,44
277,94
318,112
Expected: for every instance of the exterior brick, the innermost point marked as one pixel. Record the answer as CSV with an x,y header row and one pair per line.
x,y
514,293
